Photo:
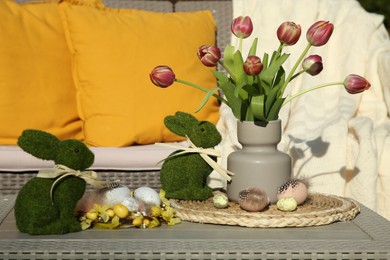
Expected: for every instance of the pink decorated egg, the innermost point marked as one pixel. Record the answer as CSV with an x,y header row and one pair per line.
x,y
296,189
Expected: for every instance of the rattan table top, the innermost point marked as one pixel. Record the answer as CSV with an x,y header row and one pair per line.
x,y
367,236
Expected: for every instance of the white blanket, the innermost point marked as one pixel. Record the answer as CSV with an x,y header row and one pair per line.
x,y
339,142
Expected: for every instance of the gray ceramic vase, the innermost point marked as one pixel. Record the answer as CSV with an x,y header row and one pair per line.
x,y
259,163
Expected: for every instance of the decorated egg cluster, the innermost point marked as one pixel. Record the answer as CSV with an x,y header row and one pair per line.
x,y
290,194
115,206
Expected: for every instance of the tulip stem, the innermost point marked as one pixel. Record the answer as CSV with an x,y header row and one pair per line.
x,y
288,99
297,74
219,97
227,69
281,46
290,75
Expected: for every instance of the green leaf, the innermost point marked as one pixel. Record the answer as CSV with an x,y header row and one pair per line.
x,y
241,78
248,114
111,225
274,111
257,107
104,216
86,224
271,99
206,98
264,86
220,76
235,103
239,73
164,200
252,50
275,55
174,221
154,223
265,61
269,74
238,89
228,59
252,90
280,78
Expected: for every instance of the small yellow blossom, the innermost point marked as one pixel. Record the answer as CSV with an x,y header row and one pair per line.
x,y
121,210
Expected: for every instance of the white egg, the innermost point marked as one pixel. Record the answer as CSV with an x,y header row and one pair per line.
x,y
116,195
131,204
148,196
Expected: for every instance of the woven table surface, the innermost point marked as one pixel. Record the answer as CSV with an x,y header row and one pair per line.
x,y
318,209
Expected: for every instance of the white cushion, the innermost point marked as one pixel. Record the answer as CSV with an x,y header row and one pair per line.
x,y
133,158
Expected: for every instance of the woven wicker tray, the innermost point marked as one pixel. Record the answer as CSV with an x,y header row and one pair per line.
x,y
319,209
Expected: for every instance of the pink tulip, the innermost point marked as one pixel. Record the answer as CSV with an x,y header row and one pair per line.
x,y
319,33
288,33
209,55
162,76
253,66
355,84
313,64
242,27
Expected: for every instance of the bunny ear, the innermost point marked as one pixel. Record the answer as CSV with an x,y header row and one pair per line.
x,y
180,123
39,144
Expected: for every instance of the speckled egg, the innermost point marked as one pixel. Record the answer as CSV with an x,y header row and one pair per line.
x,y
220,200
131,204
148,196
296,189
115,193
286,204
253,199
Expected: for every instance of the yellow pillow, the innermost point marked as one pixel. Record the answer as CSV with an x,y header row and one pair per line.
x,y
36,84
114,50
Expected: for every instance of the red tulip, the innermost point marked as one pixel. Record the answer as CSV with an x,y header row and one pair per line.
x,y
289,33
209,55
313,64
355,84
319,33
253,66
162,76
242,27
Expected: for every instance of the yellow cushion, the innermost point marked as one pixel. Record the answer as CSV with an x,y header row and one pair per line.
x,y
36,84
114,51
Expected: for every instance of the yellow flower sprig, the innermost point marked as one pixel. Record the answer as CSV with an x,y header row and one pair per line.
x,y
103,216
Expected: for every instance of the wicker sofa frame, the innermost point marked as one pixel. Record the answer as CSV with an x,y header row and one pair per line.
x,y
11,182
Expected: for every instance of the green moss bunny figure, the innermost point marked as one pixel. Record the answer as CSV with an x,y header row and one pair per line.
x,y
184,176
44,208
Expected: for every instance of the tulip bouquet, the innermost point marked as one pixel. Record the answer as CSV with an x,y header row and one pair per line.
x,y
254,88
